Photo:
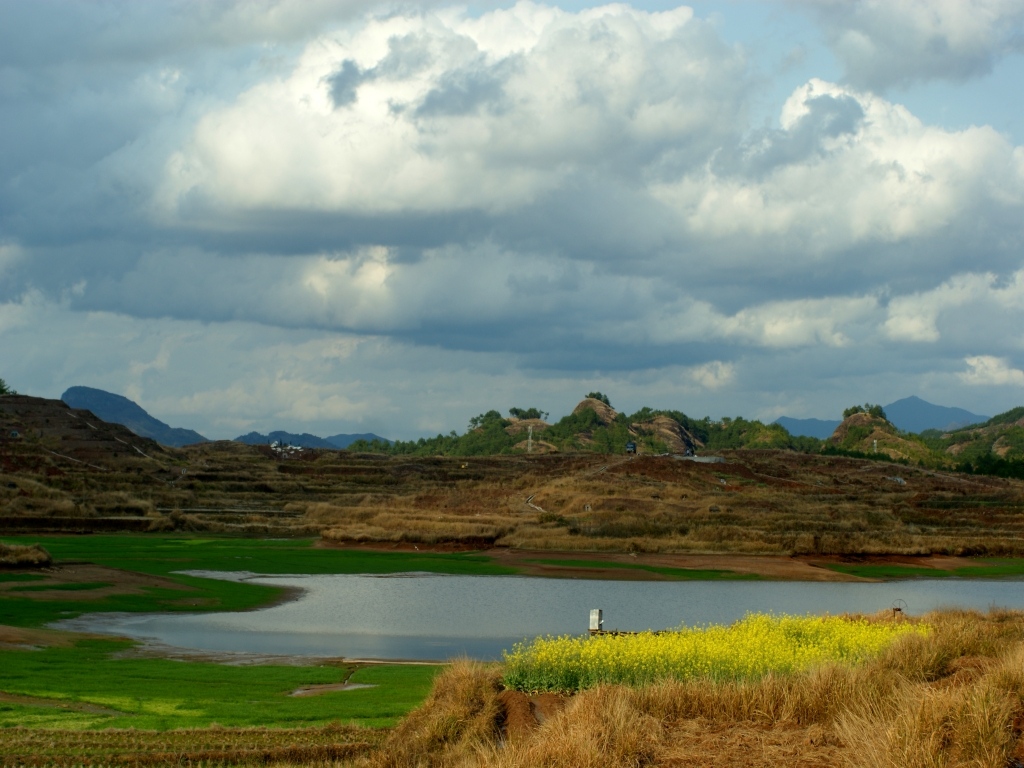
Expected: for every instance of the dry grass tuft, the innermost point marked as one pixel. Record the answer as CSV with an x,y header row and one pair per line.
x,y
599,728
24,556
460,716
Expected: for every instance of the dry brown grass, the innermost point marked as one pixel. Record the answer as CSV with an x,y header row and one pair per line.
x,y
953,699
759,502
24,556
460,718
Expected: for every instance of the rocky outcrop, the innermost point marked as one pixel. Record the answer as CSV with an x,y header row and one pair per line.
x,y
605,413
670,432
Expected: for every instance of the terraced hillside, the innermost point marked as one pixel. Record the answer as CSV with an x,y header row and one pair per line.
x,y
67,471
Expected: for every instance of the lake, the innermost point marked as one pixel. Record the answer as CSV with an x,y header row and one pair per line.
x,y
437,617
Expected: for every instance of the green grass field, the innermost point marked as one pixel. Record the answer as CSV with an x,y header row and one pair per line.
x,y
676,574
983,568
9,577
86,686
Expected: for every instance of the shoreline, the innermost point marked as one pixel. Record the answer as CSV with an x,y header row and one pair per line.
x,y
630,566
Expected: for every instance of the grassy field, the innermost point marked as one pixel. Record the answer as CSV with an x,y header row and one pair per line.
x,y
675,574
218,746
983,568
162,554
86,686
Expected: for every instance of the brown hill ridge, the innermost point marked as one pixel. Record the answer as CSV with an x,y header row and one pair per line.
x,y
77,434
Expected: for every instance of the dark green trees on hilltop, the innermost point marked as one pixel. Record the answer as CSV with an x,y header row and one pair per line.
x,y
871,409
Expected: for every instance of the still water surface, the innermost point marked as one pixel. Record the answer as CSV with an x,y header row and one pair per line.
x,y
428,616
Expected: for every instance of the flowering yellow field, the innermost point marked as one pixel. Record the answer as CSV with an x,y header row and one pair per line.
x,y
748,649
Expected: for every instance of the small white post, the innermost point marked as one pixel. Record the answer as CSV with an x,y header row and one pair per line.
x,y
874,447
529,439
596,620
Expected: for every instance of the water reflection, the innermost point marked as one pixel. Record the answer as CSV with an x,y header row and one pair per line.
x,y
428,616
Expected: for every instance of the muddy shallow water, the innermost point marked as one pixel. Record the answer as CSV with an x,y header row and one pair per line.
x,y
428,616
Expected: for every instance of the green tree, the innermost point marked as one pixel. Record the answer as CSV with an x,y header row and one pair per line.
x,y
6,390
527,413
600,396
484,418
871,409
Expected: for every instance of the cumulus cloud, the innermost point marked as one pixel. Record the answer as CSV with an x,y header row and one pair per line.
x,y
438,112
986,370
882,43
713,375
968,305
329,207
848,168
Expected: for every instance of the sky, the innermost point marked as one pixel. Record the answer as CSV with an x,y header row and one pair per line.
x,y
338,216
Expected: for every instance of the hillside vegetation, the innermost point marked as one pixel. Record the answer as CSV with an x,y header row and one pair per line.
x,y
995,447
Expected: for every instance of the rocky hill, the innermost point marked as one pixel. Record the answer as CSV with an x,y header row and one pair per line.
x,y
604,412
867,434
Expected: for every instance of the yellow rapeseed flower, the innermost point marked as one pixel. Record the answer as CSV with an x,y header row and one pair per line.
x,y
750,648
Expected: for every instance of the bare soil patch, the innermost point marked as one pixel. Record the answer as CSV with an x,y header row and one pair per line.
x,y
20,637
317,690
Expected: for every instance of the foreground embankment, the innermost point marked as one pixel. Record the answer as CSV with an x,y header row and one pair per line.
x,y
951,696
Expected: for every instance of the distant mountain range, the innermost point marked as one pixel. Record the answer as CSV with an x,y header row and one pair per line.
x,y
120,410
306,440
911,414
